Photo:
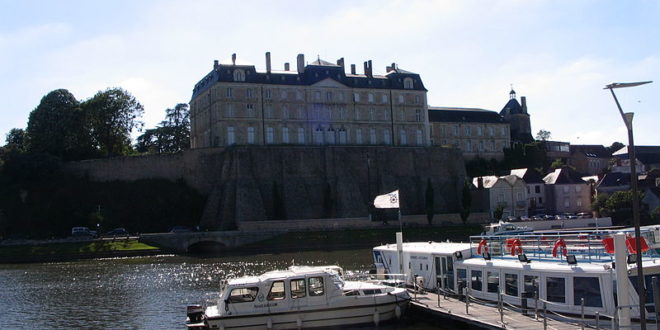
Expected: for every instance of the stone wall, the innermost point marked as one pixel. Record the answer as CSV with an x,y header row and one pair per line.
x,y
255,183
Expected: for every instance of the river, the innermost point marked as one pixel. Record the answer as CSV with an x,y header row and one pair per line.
x,y
143,292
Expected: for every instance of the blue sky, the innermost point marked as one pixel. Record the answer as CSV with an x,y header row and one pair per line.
x,y
559,54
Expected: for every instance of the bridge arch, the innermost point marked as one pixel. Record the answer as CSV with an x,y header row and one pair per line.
x,y
206,247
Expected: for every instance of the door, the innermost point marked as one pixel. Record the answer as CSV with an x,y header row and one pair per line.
x,y
444,270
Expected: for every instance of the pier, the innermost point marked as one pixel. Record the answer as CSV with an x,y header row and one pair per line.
x,y
487,315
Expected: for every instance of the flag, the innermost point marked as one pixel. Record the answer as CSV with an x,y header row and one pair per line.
x,y
387,201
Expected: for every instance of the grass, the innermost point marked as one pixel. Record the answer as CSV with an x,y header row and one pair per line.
x,y
74,248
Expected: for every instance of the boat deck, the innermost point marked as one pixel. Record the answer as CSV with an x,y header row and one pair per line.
x,y
488,315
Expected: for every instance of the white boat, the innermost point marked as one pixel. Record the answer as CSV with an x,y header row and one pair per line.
x,y
300,297
510,228
559,270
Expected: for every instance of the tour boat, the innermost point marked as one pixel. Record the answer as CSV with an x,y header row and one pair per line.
x,y
513,228
299,297
564,271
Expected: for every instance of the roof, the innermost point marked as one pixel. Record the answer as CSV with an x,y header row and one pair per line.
x,y
489,181
528,174
313,73
614,179
591,150
645,154
464,115
425,247
512,108
563,175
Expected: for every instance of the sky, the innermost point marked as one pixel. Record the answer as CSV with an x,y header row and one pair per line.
x,y
559,54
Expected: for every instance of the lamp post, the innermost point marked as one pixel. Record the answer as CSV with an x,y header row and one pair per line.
x,y
627,119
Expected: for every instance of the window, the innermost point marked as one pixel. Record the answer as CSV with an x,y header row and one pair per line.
x,y
589,289
276,291
249,92
370,97
315,286
419,137
231,136
475,280
285,112
511,284
285,135
578,188
328,96
418,115
298,288
531,285
408,83
229,92
341,96
318,135
269,135
416,99
250,110
537,189
239,75
383,98
479,131
566,189
229,111
283,95
317,95
540,200
578,202
342,113
461,275
358,136
450,273
357,114
268,111
468,131
301,112
455,130
301,135
342,136
555,288
400,98
250,135
403,138
481,146
299,95
241,295
330,136
372,136
372,115
387,139
493,281
567,202
268,94
468,146
402,115
490,131
356,97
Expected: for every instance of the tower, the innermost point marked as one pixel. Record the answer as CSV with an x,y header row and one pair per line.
x,y
517,116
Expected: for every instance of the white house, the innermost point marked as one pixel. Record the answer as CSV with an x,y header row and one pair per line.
x,y
508,191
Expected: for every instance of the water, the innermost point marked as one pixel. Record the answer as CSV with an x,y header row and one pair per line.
x,y
143,292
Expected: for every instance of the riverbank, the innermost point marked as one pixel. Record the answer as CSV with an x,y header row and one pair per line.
x,y
65,251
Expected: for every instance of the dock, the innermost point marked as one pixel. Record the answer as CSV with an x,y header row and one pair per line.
x,y
488,316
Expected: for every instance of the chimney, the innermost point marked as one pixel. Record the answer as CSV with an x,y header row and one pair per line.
x,y
340,62
523,100
215,64
233,59
368,69
390,68
286,66
268,62
301,63
352,68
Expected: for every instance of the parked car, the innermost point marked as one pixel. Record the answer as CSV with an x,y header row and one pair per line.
x,y
549,217
560,217
524,218
538,217
584,215
83,232
117,232
570,216
512,219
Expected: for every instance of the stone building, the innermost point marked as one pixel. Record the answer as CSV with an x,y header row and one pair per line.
x,y
516,114
477,132
315,104
508,192
535,189
566,192
589,159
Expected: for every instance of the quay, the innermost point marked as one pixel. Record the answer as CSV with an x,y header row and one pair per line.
x,y
487,315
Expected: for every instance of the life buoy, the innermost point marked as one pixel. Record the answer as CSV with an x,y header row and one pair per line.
x,y
516,247
560,244
631,244
482,248
608,244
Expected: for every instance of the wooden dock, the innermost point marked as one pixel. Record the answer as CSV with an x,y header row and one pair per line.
x,y
488,315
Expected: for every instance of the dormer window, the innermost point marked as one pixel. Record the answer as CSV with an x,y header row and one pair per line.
x,y
239,75
408,83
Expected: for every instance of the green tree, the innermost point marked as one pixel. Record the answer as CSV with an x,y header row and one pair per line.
x,y
498,212
543,135
466,202
112,115
16,138
172,135
619,207
430,202
615,147
598,205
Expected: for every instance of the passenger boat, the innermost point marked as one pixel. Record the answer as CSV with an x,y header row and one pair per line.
x,y
560,270
299,297
513,228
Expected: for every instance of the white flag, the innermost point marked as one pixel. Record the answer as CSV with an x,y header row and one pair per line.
x,y
387,201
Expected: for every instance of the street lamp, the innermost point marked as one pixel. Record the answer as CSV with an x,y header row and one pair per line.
x,y
628,119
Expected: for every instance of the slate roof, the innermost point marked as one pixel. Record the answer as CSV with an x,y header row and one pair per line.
x,y
563,175
511,108
590,150
313,73
614,179
645,154
528,174
464,115
490,180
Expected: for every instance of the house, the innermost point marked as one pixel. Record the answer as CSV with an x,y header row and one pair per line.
x,y
535,189
509,192
648,158
566,192
613,182
589,159
557,150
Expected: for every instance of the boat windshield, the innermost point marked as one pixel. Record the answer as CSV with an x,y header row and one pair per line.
x,y
337,281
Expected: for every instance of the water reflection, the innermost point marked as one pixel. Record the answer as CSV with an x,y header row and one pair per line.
x,y
140,292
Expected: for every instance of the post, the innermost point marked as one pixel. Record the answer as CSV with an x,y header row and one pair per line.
x,y
536,304
582,311
438,291
622,283
545,317
399,249
597,320
500,303
656,297
467,300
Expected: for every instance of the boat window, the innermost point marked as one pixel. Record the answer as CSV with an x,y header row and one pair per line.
x,y
352,293
315,286
371,291
476,280
298,289
589,289
555,289
240,295
276,291
493,281
511,284
337,281
531,285
649,293
462,278
450,273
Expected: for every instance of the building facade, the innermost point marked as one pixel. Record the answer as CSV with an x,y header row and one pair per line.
x,y
317,104
477,132
535,189
508,192
589,159
566,192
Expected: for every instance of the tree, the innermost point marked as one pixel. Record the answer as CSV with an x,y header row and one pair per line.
x,y
172,135
615,147
598,205
543,135
558,163
430,202
112,115
619,207
498,212
54,126
16,138
466,202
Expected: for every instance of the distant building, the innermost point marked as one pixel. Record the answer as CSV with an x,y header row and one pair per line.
x,y
535,189
589,159
316,103
477,132
648,158
557,150
517,116
509,192
566,192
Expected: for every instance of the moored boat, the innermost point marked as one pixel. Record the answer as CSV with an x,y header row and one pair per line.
x,y
300,297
